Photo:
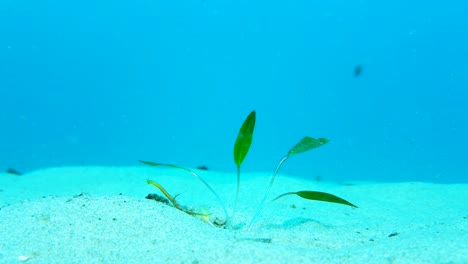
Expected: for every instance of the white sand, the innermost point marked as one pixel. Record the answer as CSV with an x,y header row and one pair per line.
x,y
44,219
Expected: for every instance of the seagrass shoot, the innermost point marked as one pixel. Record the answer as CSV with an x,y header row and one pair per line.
x,y
241,148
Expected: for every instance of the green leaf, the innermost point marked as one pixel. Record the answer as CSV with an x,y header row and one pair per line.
x,y
324,197
306,144
150,163
244,139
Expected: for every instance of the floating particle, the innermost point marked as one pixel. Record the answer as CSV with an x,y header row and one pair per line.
x,y
358,70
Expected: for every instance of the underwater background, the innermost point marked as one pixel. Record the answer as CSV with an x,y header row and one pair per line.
x,y
86,83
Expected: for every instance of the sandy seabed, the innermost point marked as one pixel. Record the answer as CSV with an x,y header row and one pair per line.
x,y
100,215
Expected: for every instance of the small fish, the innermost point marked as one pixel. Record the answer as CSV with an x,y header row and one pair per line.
x,y
358,70
13,171
202,167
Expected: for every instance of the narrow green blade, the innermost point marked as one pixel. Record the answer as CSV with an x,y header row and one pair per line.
x,y
244,139
306,144
150,163
324,197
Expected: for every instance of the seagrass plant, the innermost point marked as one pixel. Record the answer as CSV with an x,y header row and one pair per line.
x,y
241,148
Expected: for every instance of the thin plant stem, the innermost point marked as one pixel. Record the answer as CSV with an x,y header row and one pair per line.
x,y
237,193
267,192
262,209
228,221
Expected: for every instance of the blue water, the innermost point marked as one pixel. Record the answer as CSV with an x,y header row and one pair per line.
x,y
112,82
